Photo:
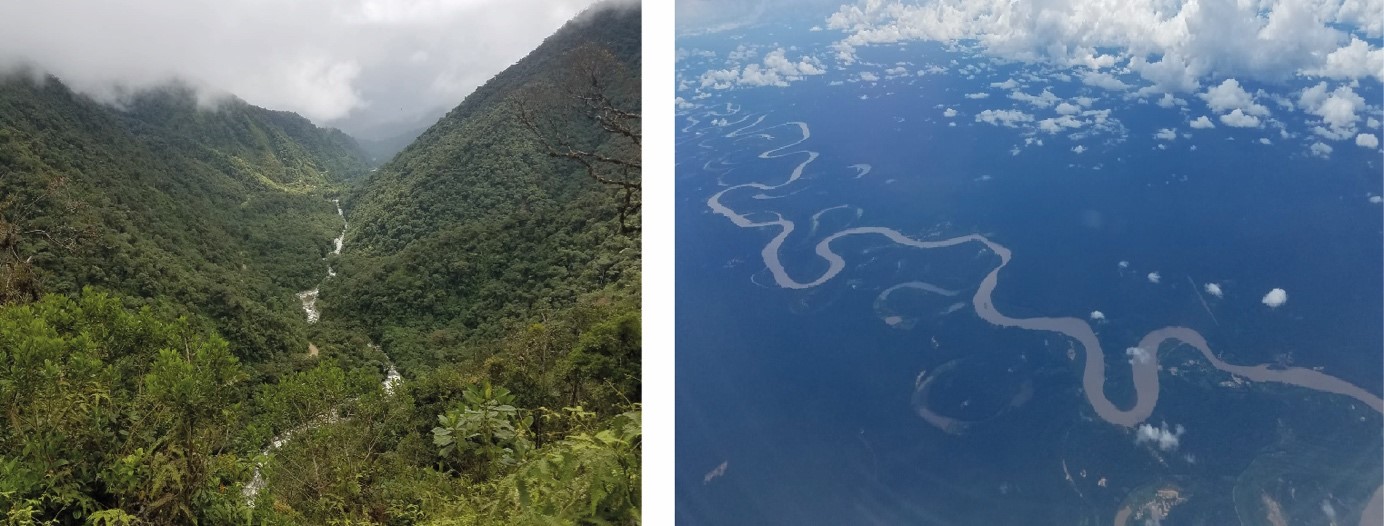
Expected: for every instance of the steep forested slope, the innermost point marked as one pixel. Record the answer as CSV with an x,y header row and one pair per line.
x,y
219,209
474,226
502,280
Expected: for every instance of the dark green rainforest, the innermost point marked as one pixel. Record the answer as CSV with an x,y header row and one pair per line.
x,y
476,359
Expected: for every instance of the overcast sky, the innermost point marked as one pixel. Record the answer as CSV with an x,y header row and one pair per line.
x,y
370,67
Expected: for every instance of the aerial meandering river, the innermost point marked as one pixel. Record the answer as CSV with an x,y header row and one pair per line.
x,y
1145,372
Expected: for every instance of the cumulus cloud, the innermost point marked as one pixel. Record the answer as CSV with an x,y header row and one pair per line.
x,y
1155,277
1238,119
1173,45
1169,101
1079,148
361,65
1230,96
1367,140
1103,80
1010,118
949,113
1354,60
1097,315
776,69
1138,355
1320,150
1057,124
868,76
1214,290
1165,134
979,95
1275,298
1007,85
1202,123
1067,108
1336,109
1167,439
1041,100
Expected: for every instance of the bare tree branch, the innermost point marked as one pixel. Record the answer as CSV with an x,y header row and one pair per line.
x,y
588,92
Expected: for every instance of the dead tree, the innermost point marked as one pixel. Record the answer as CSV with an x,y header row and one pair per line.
x,y
590,116
24,236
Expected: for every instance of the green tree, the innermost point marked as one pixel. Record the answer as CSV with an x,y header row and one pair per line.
x,y
108,408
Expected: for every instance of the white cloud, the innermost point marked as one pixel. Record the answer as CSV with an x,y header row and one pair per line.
x,y
741,53
1067,108
1124,264
1275,298
1169,101
1010,118
1097,315
1202,123
1165,134
776,69
1138,355
1214,289
980,95
949,112
1367,140
1238,119
1103,80
1079,148
1354,60
1057,124
1230,96
1167,439
868,76
1006,85
1041,100
1172,44
1155,277
720,78
1320,150
1336,109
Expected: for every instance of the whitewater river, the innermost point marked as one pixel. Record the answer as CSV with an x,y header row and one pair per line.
x,y
1145,373
309,299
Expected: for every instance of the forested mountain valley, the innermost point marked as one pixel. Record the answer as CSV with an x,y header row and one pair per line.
x,y
215,313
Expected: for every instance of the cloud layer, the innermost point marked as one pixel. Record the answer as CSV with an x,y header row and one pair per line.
x,y
356,63
1174,45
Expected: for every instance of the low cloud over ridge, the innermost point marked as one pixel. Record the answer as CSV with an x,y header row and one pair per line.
x,y
357,64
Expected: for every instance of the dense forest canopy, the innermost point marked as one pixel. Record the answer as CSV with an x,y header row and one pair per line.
x,y
156,365
221,209
475,228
